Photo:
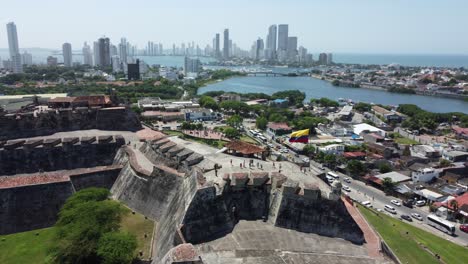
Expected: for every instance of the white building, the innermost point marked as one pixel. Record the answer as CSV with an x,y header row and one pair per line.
x,y
360,128
332,149
191,66
116,66
26,58
425,175
87,55
13,47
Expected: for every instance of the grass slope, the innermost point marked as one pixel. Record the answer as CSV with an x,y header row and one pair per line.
x,y
27,247
409,242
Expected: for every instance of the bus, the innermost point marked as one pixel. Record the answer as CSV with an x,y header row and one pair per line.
x,y
332,174
442,225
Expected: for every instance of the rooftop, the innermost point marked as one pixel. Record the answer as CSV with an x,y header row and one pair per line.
x,y
278,126
395,176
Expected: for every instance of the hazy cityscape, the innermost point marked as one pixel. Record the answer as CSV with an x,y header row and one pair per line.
x,y
197,133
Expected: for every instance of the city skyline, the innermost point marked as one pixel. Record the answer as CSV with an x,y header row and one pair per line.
x,y
336,26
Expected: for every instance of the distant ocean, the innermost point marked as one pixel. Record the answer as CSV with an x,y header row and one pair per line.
x,y
452,60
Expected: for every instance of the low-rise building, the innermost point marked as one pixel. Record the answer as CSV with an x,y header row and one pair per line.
x,y
424,151
336,149
460,132
163,116
278,129
387,114
396,177
425,175
229,97
200,114
366,128
455,156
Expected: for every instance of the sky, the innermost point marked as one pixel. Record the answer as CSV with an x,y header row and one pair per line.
x,y
352,26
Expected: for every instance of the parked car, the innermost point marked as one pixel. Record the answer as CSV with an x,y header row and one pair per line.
x,y
305,160
367,204
408,203
407,218
420,203
346,188
464,228
417,216
390,209
348,180
396,202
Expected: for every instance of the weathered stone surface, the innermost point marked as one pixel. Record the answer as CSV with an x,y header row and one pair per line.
x,y
70,155
26,125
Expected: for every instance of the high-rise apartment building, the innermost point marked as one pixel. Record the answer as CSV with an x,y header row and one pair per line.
x,y
226,44
87,55
191,66
104,52
26,58
97,57
322,59
283,31
13,46
259,49
270,50
217,46
329,58
67,54
123,50
292,48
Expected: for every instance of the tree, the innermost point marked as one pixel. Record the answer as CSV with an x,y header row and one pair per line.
x,y
362,107
85,217
294,96
454,205
384,168
356,168
208,102
388,185
117,248
238,107
330,160
443,163
261,122
231,132
309,150
235,121
325,102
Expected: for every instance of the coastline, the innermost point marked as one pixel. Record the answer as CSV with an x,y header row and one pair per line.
x,y
379,88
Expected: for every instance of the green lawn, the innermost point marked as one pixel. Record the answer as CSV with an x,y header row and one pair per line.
x,y
137,225
27,247
399,139
248,139
409,242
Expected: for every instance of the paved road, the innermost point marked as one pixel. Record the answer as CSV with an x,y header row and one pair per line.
x,y
362,192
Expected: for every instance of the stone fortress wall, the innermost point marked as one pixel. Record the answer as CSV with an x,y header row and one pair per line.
x,y
47,173
36,155
190,209
34,124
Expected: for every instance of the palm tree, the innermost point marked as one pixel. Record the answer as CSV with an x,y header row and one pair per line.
x,y
454,205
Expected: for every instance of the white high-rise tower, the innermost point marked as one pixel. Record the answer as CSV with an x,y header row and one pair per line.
x,y
13,47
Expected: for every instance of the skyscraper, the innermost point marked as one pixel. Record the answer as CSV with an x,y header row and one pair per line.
x,y
329,58
104,52
191,66
87,56
283,37
67,54
226,44
322,58
123,50
13,47
270,50
217,46
292,48
259,49
96,53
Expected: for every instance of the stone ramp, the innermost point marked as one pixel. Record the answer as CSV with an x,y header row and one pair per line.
x,y
372,240
259,242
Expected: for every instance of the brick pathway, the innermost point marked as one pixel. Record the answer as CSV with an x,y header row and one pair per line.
x,y
372,240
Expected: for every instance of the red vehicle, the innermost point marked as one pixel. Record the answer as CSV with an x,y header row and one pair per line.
x,y
464,228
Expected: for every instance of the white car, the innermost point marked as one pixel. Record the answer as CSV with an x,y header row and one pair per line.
x,y
346,188
396,202
367,204
380,210
305,160
348,180
417,216
420,203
